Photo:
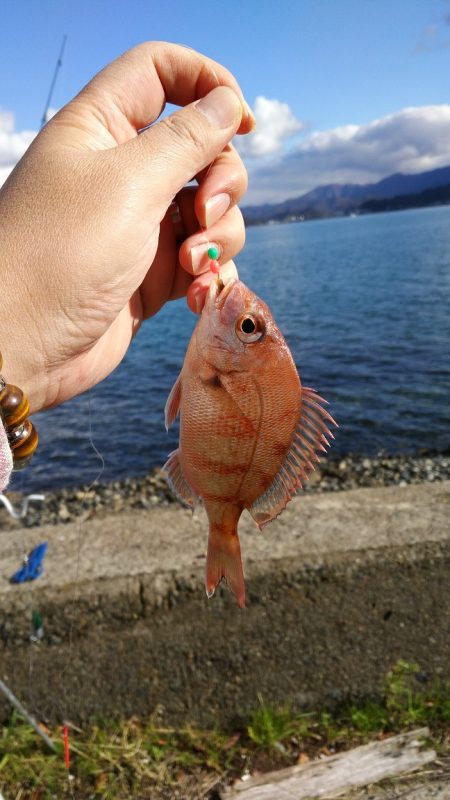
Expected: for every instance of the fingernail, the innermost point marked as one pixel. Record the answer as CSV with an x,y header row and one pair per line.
x,y
250,114
220,106
200,258
215,208
199,300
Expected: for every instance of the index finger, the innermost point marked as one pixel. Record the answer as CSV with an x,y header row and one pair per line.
x,y
137,85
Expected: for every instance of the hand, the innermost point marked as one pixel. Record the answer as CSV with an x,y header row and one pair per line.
x,y
88,245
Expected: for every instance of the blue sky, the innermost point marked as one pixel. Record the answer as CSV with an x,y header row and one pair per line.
x,y
319,66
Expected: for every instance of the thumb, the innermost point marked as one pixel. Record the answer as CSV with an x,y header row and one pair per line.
x,y
174,150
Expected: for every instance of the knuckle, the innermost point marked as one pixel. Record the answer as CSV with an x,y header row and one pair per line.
x,y
239,180
235,177
144,50
185,132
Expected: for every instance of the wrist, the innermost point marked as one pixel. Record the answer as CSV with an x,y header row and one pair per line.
x,y
20,340
21,435
22,364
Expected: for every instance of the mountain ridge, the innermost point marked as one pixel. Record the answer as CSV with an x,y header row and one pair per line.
x,y
340,199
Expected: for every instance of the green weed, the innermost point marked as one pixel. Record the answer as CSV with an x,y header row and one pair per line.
x,y
368,718
269,725
136,757
409,704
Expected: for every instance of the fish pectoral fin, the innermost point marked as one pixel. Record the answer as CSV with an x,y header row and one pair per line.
x,y
224,561
243,390
177,481
310,438
172,407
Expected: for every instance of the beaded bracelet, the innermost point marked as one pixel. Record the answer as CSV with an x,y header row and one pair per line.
x,y
22,435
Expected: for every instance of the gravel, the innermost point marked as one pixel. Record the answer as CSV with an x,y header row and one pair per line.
x,y
350,472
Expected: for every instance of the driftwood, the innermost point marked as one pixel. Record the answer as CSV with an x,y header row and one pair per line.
x,y
333,775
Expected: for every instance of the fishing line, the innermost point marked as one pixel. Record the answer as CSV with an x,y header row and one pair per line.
x,y
75,600
79,525
212,252
62,702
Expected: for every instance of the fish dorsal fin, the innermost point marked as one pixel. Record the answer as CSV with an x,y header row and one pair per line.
x,y
172,408
178,482
310,438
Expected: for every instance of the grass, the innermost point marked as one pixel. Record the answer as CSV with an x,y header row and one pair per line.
x,y
140,758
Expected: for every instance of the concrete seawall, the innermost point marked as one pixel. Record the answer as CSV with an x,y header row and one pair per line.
x,y
339,587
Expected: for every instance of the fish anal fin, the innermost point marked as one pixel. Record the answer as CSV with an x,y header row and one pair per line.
x,y
224,561
172,407
270,504
177,481
309,439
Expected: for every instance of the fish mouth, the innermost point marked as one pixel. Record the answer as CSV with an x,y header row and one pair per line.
x,y
222,290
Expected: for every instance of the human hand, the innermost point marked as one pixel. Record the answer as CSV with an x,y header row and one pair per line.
x,y
88,248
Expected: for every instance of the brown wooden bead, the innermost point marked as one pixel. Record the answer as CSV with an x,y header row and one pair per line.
x,y
27,448
18,465
14,406
19,434
14,410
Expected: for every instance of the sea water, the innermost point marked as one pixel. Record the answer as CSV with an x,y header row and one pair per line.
x,y
364,305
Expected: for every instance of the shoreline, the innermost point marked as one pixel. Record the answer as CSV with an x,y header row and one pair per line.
x,y
332,475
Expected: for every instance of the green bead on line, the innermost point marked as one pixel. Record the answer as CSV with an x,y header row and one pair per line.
x,y
213,253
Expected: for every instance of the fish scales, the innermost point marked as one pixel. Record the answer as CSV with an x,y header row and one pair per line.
x,y
249,432
215,432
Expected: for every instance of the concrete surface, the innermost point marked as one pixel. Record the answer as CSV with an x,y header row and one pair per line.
x,y
339,588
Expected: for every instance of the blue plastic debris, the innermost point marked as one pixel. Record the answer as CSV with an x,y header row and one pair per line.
x,y
32,566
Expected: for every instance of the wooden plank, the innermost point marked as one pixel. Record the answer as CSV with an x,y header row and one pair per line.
x,y
336,774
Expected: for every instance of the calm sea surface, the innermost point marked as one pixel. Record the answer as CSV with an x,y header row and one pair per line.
x,y
364,305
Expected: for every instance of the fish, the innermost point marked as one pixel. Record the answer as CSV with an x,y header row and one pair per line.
x,y
250,433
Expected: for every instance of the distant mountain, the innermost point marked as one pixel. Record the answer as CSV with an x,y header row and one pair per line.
x,y
337,199
430,197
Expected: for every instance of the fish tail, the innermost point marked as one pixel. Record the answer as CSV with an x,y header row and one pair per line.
x,y
224,561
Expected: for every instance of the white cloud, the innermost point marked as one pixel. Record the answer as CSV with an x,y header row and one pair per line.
x,y
275,123
410,140
12,143
284,161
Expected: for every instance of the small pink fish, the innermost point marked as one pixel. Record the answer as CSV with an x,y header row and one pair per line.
x,y
249,432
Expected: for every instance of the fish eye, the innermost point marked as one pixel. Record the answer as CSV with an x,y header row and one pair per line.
x,y
248,325
249,328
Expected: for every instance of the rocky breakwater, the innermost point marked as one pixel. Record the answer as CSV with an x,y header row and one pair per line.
x,y
149,491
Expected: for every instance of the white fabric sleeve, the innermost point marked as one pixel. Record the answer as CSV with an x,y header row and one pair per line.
x,y
6,459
